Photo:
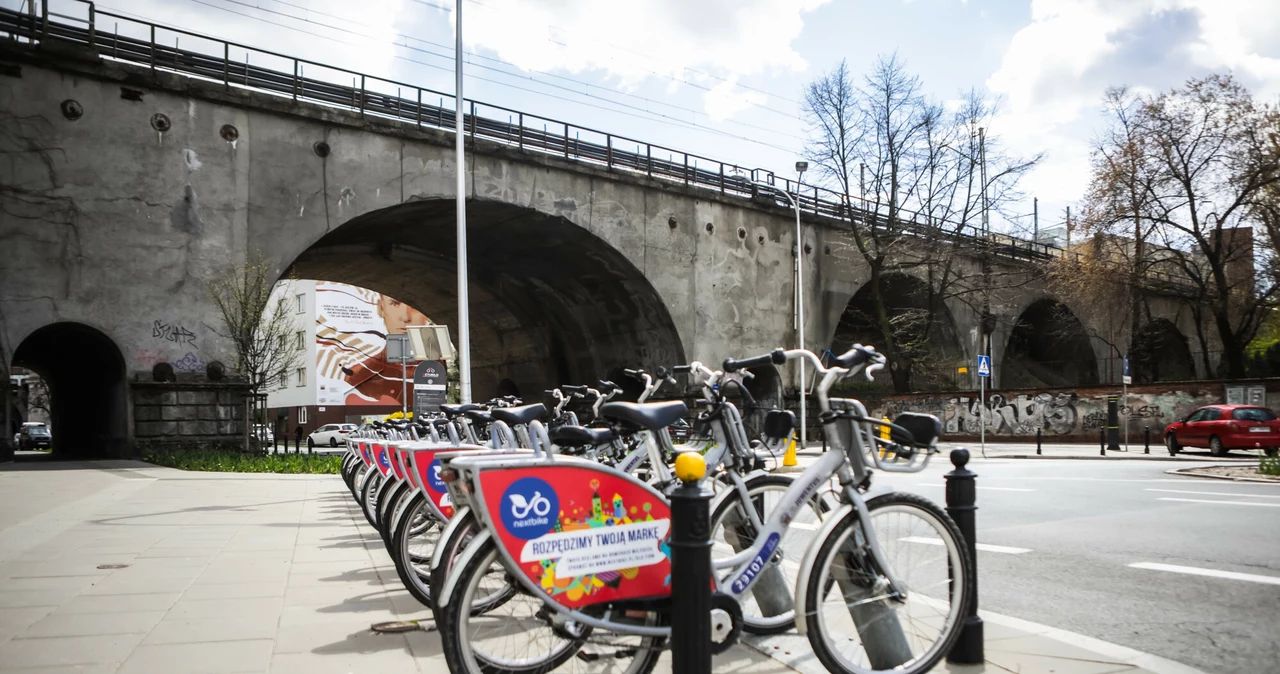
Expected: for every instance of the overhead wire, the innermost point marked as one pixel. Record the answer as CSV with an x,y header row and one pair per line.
x,y
645,114
646,99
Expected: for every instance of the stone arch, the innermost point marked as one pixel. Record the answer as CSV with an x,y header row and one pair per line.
x,y
1048,346
550,302
1159,352
85,373
932,334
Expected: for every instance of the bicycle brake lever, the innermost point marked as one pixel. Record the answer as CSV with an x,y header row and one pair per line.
x,y
870,370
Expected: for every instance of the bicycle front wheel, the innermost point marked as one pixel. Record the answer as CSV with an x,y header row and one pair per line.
x,y
854,623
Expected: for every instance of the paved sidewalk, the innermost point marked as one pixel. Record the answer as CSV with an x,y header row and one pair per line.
x,y
264,573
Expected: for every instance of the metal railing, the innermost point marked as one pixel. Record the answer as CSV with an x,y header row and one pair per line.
x,y
145,43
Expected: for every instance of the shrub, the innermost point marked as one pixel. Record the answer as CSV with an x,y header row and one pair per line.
x,y
235,461
1269,465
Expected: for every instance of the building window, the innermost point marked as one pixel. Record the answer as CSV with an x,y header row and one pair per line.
x,y
301,301
302,376
302,415
284,378
301,339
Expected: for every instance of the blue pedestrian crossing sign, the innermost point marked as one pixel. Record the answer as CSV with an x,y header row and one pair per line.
x,y
984,366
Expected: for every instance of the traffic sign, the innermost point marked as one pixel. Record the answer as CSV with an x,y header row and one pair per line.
x,y
984,366
1127,379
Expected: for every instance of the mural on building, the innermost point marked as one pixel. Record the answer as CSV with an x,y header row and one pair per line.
x,y
1053,412
352,325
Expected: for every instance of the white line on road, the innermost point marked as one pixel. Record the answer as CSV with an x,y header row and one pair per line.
x,y
1214,573
985,547
988,488
1213,493
1197,500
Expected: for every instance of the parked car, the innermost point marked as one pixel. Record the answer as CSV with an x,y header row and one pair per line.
x,y
35,436
330,434
680,431
263,433
1225,427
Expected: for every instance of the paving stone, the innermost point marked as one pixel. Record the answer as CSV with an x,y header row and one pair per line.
x,y
222,657
59,624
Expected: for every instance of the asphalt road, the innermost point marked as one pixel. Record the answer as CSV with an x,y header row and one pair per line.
x,y
1084,524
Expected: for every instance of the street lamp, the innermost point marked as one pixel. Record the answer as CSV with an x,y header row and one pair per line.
x,y
801,167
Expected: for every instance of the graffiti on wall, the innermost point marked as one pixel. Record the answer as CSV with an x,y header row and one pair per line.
x,y
1051,412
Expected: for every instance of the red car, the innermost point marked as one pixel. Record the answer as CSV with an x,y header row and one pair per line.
x,y
1226,427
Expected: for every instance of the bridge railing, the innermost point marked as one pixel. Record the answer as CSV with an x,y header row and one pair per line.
x,y
116,36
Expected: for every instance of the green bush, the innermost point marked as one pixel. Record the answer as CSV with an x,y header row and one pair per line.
x,y
223,460
1269,465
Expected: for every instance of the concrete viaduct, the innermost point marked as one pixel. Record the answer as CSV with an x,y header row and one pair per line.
x,y
125,187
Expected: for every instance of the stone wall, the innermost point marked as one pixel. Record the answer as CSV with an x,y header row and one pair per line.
x,y
1061,414
188,413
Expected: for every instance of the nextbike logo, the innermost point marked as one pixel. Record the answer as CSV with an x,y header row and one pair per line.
x,y
433,477
383,460
757,565
529,508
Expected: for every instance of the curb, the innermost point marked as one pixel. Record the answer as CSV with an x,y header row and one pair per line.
x,y
1079,457
1184,472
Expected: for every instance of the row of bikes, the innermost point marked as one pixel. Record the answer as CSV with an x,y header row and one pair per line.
x,y
541,543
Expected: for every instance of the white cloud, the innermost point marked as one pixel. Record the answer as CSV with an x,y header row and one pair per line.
x,y
1056,69
636,41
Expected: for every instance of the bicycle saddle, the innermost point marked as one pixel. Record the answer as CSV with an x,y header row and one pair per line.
x,y
478,414
455,410
646,415
518,415
579,436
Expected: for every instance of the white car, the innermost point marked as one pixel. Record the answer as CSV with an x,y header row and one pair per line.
x,y
331,435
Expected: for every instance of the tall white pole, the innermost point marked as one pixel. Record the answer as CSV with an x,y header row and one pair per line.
x,y
464,319
804,430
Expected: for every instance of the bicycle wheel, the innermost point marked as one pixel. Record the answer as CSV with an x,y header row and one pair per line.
x,y
769,608
369,499
854,625
412,543
387,506
357,477
461,536
523,636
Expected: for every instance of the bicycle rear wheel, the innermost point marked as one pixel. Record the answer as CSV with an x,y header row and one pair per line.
x,y
854,625
522,636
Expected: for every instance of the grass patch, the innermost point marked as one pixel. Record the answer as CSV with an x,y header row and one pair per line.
x,y
1269,465
221,460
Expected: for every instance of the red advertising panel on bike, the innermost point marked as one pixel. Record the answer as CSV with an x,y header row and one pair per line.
x,y
381,460
365,454
585,535
426,469
397,468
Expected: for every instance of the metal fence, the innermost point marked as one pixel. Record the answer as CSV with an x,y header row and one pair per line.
x,y
161,48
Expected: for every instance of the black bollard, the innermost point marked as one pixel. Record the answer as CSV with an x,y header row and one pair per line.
x,y
1039,432
1113,423
961,499
1102,441
690,578
1146,439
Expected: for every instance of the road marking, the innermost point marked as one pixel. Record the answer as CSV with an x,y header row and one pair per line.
x,y
987,488
1213,573
985,547
1197,500
1213,493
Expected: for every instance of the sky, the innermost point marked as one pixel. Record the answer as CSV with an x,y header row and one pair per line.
x,y
724,78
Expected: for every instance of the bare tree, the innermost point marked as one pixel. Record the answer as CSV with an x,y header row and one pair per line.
x,y
1181,194
259,327
911,168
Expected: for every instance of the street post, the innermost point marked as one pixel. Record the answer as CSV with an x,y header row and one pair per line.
x,y
961,505
690,567
984,371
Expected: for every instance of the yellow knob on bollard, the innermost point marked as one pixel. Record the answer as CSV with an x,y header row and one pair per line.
x,y
884,429
789,459
690,466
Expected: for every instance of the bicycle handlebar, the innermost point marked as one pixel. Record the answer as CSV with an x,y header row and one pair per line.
x,y
775,357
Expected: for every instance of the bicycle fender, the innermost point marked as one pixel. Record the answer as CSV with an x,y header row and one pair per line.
x,y
407,502
368,475
811,558
723,494
454,522
464,560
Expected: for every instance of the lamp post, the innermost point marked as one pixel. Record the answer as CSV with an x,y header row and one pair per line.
x,y
801,167
464,319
